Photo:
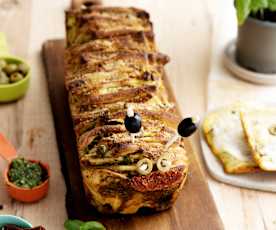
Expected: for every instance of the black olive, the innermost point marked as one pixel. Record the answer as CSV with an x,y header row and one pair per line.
x,y
147,76
187,127
133,124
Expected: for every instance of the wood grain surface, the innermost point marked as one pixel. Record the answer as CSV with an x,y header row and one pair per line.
x,y
27,123
194,194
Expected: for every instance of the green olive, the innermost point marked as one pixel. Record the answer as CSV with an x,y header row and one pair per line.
x,y
3,63
144,166
23,68
15,77
163,164
4,79
10,68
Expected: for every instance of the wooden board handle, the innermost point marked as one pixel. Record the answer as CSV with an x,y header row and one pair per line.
x,y
76,4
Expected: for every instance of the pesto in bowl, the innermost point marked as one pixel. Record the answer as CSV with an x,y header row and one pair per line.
x,y
26,174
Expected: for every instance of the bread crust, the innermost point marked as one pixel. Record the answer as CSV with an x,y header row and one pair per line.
x,y
138,41
111,63
102,22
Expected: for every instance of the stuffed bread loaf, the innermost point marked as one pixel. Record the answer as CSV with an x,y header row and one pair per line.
x,y
111,62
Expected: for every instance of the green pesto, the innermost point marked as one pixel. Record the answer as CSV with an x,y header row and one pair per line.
x,y
26,174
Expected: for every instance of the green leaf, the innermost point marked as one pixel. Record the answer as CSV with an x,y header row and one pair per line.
x,y
92,225
272,5
243,10
73,224
257,5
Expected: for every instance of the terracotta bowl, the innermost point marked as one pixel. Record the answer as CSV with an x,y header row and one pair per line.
x,y
28,195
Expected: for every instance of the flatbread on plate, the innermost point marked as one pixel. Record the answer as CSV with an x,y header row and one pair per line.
x,y
224,134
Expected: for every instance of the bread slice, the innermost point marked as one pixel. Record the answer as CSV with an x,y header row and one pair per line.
x,y
224,134
260,130
111,77
131,42
107,60
101,22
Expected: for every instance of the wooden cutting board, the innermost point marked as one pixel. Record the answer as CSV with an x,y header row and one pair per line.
x,y
194,208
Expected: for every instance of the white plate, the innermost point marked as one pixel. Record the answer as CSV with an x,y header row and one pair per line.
x,y
264,181
230,63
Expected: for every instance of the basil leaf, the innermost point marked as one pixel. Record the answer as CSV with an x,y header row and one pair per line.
x,y
243,10
257,5
73,224
272,5
92,225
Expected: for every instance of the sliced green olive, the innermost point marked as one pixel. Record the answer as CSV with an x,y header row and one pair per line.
x,y
10,68
163,164
272,130
23,68
144,166
4,79
15,77
3,63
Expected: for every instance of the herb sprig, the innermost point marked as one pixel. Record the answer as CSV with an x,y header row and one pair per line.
x,y
80,225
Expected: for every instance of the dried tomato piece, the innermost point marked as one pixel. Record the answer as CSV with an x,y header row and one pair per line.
x,y
158,180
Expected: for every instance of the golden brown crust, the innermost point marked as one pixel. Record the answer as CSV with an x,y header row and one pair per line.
x,y
138,41
102,22
112,63
91,120
89,62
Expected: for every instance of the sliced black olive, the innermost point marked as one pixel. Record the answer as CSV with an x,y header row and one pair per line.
x,y
147,76
187,126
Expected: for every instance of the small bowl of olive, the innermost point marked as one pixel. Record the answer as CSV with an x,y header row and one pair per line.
x,y
14,78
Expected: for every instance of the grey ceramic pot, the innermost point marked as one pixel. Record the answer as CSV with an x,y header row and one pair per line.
x,y
256,45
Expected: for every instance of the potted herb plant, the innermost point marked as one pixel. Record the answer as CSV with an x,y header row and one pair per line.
x,y
256,43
